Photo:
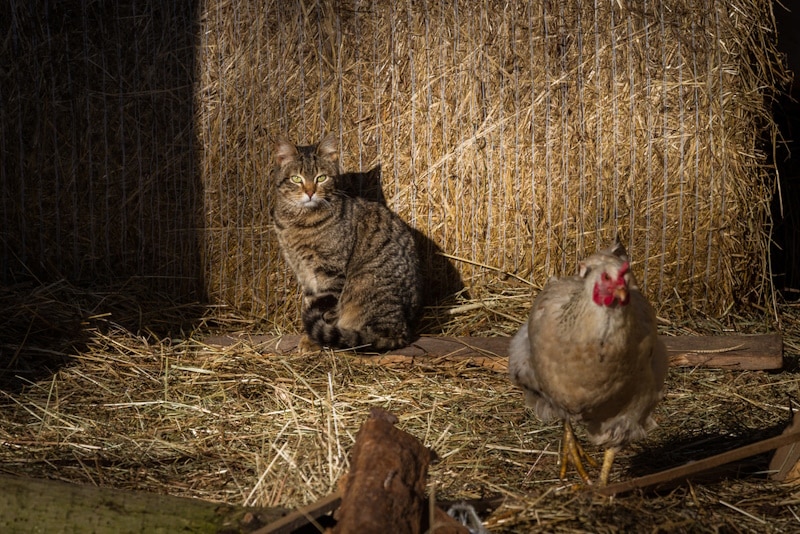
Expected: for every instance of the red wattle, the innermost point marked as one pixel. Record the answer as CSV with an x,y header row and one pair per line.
x,y
606,295
601,297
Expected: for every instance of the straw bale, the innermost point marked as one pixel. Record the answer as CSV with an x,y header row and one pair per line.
x,y
517,136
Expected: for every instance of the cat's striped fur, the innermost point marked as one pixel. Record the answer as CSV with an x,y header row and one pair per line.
x,y
355,259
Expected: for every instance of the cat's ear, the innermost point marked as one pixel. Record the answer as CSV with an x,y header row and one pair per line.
x,y
328,148
285,152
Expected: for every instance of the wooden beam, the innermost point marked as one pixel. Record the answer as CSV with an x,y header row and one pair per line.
x,y
785,464
693,468
741,352
35,505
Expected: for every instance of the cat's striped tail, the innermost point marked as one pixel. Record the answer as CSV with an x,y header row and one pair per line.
x,y
321,322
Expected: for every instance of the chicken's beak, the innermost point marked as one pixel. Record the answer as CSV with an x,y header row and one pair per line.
x,y
621,294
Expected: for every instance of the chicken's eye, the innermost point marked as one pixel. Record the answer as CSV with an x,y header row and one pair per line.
x,y
604,277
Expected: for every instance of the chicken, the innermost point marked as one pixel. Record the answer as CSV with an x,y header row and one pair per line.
x,y
590,352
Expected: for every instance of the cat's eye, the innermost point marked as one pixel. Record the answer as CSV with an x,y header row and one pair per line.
x,y
321,178
296,179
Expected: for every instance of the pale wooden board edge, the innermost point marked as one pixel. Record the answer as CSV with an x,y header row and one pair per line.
x,y
686,471
735,351
785,463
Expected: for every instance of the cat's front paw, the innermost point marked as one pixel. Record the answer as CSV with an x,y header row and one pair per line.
x,y
306,345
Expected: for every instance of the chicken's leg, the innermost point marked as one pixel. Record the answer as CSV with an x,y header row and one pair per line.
x,y
608,459
571,451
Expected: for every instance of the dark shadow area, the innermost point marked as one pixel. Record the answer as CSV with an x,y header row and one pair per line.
x,y
101,210
442,283
786,205
685,449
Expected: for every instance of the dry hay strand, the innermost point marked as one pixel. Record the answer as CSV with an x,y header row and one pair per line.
x,y
44,326
173,415
518,136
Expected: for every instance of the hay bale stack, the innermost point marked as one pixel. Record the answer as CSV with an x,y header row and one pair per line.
x,y
519,135
136,139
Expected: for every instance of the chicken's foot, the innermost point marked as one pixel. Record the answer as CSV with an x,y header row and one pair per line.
x,y
572,452
605,470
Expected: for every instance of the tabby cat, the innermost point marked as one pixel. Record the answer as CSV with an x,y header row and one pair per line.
x,y
355,260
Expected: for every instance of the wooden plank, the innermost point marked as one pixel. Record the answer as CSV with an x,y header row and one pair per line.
x,y
742,352
35,505
785,463
745,352
488,352
690,469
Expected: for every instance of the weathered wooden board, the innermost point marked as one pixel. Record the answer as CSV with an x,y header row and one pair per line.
x,y
35,505
753,352
687,471
743,352
785,464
